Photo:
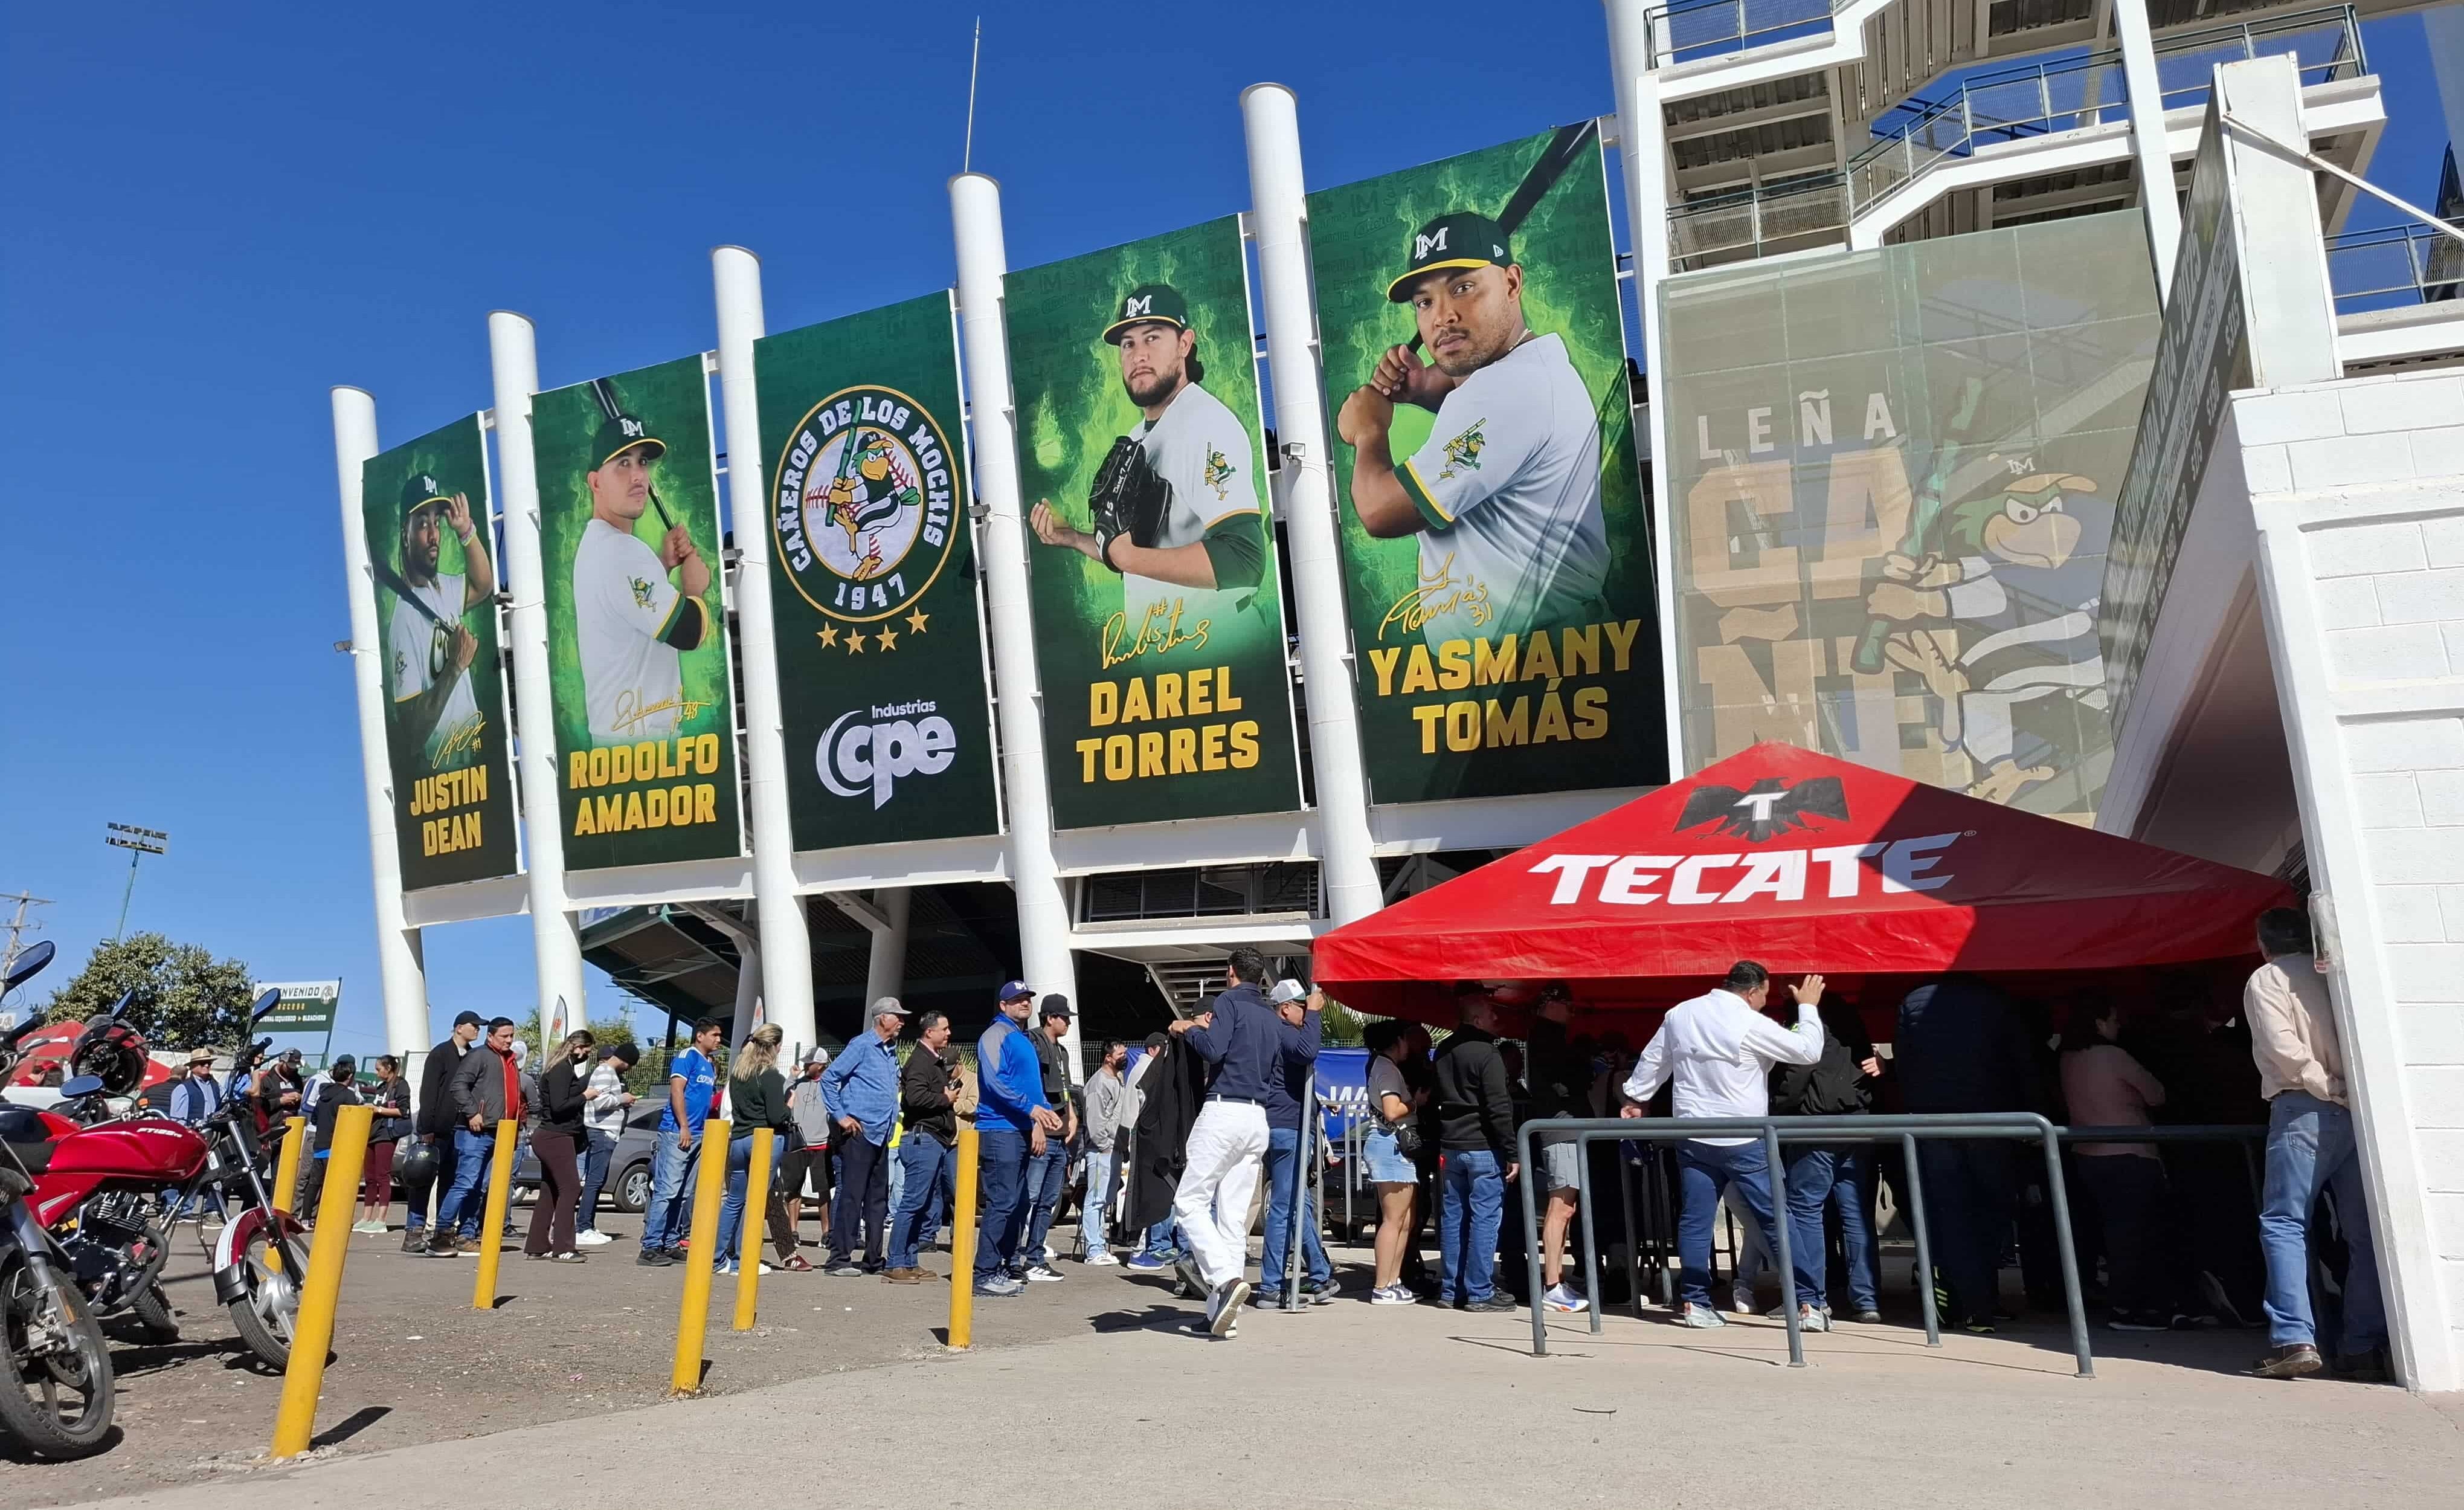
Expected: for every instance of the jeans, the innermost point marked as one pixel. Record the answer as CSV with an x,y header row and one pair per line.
x,y
1839,1178
2310,1149
1095,1213
672,1166
1471,1199
1001,1158
1047,1176
1703,1170
1968,1190
896,1171
595,1157
1164,1239
466,1198
926,1193
1288,1179
416,1202
863,1198
730,1211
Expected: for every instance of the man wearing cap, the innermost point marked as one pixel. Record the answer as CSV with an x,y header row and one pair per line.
x,y
1014,1122
195,1099
1208,552
631,623
1048,1173
861,1089
1243,1041
429,652
1505,493
1291,1143
434,1123
928,1089
811,1154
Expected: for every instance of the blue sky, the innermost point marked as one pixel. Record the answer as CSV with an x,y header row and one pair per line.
x,y
208,215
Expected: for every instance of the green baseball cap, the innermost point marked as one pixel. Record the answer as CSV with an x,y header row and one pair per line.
x,y
624,432
1462,239
418,491
1160,303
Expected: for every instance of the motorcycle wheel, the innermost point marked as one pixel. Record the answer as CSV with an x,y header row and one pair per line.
x,y
268,1307
152,1309
56,1398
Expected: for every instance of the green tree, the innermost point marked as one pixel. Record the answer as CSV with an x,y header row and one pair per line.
x,y
180,995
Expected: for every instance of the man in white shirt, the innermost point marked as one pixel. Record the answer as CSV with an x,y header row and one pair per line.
x,y
1719,1049
605,1104
430,648
2309,1150
631,623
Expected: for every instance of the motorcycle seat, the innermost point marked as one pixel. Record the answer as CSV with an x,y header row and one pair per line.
x,y
36,1157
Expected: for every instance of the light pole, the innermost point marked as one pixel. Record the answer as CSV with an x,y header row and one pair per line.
x,y
139,842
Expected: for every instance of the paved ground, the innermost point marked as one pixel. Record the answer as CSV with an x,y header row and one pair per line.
x,y
1344,1405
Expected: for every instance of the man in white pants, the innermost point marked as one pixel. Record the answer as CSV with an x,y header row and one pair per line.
x,y
1243,1042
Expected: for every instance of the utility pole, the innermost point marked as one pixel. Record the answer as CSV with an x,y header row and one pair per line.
x,y
140,843
18,925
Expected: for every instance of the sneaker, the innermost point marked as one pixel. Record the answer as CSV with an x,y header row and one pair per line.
x,y
733,1267
1496,1304
2140,1321
1223,1311
654,1258
902,1277
843,1269
999,1284
375,1228
567,1256
414,1240
1741,1301
1099,1260
1813,1319
1143,1263
591,1239
1321,1292
1701,1317
2289,1361
1867,1316
1043,1273
1266,1299
443,1248
1564,1297
1392,1295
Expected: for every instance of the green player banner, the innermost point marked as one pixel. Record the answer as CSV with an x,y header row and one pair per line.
x,y
880,668
1159,611
1495,545
636,631
430,555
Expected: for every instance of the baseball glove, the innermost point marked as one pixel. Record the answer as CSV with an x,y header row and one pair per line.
x,y
1129,498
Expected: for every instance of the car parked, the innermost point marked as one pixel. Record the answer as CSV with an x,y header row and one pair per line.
x,y
629,1166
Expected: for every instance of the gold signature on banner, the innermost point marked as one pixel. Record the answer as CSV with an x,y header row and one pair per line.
x,y
461,742
628,715
1438,593
1159,631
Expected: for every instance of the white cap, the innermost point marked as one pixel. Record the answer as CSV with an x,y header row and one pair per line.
x,y
1287,991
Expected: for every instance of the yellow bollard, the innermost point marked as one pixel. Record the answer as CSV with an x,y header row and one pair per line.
x,y
693,1313
756,1215
962,1244
286,1183
500,1196
294,1420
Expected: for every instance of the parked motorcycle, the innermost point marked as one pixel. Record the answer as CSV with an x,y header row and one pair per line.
x,y
56,1395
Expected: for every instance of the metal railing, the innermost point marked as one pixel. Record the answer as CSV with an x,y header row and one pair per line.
x,y
1691,29
2393,265
2005,105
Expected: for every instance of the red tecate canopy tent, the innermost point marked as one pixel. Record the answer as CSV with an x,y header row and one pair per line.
x,y
1804,863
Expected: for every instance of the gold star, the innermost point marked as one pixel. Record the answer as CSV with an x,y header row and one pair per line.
x,y
855,643
831,636
887,638
915,620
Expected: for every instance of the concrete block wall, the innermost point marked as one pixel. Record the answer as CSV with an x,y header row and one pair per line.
x,y
2357,487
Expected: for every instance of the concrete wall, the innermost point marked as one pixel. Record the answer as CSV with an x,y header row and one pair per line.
x,y
2357,490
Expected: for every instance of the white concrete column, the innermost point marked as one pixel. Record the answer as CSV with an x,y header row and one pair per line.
x,y
787,980
1643,153
748,1013
983,338
2156,201
556,938
885,972
401,973
1279,223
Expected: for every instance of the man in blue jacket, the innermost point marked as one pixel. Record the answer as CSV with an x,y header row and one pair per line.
x,y
1245,1043
1012,1123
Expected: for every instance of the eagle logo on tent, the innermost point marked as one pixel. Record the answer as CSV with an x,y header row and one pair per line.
x,y
1769,807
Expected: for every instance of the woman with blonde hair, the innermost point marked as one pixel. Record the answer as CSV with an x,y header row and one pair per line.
x,y
756,1098
557,1142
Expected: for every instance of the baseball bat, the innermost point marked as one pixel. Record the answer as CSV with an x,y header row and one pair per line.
x,y
1923,516
1565,145
606,393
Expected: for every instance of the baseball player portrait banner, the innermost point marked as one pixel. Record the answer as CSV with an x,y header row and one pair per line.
x,y
1159,611
880,668
1496,550
636,634
1891,482
432,554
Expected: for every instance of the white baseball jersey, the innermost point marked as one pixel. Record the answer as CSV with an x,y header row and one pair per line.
x,y
1202,449
421,651
632,681
1509,490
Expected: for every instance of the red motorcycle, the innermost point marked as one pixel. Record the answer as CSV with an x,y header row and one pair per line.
x,y
110,1187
